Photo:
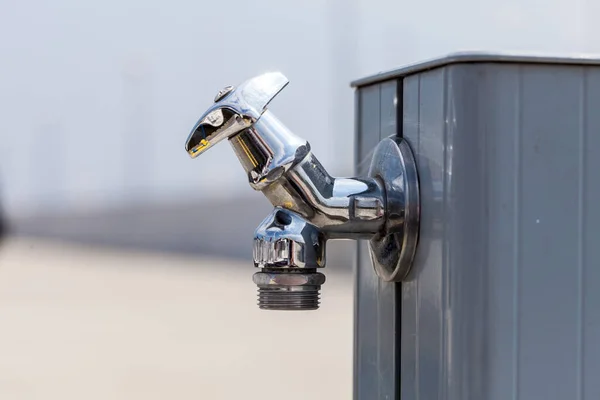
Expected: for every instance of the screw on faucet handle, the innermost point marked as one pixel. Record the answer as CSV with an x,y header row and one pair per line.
x,y
234,110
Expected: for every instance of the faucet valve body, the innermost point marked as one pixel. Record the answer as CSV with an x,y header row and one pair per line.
x,y
311,206
288,250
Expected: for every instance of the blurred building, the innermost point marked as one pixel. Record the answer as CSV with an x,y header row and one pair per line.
x,y
98,98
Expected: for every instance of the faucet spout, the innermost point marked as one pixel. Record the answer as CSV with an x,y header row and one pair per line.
x,y
283,167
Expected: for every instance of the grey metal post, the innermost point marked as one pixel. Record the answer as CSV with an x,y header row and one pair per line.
x,y
503,299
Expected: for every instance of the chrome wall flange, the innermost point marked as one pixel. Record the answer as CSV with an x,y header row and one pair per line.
x,y
392,251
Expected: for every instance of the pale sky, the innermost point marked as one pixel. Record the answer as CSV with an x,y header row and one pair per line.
x,y
97,98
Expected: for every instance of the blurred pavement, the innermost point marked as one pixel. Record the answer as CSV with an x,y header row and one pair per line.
x,y
81,322
218,227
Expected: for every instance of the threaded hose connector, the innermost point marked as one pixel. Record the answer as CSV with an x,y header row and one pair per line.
x,y
288,299
288,289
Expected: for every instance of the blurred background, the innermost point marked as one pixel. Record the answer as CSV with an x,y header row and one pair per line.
x,y
111,285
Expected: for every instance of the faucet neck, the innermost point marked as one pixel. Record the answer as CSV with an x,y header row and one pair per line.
x,y
267,150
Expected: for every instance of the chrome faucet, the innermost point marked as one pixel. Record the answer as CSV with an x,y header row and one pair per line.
x,y
311,206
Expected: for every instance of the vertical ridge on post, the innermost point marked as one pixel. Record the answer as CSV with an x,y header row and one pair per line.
x,y
366,373
387,306
399,103
408,294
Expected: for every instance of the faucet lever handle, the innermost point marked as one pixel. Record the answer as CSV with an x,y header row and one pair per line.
x,y
234,110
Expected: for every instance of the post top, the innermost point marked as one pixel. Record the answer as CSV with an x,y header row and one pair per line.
x,y
478,57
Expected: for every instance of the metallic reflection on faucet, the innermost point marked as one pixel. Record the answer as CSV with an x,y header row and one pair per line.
x,y
311,206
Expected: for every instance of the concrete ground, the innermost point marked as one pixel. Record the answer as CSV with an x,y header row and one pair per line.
x,y
78,322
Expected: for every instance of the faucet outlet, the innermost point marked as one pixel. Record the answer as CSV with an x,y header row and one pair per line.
x,y
310,206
